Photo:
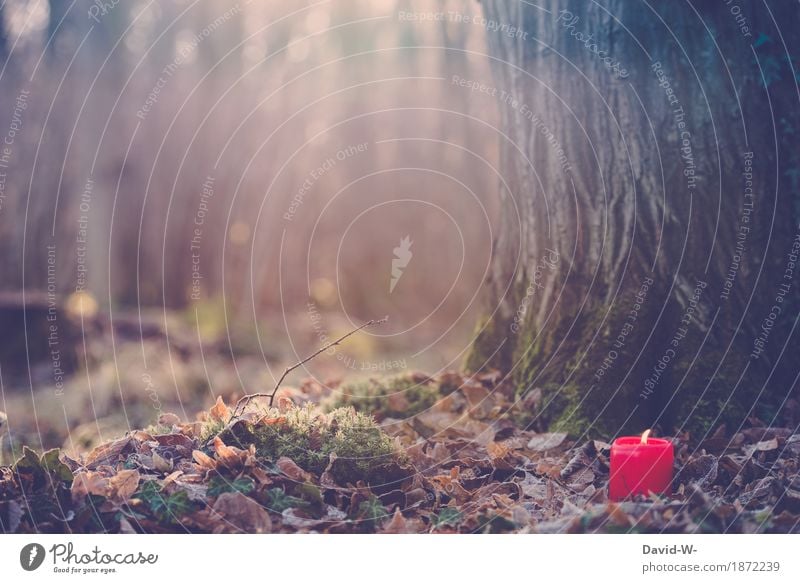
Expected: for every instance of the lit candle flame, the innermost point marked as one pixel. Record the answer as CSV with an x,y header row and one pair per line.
x,y
645,436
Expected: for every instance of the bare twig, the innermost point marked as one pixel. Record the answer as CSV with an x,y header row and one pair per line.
x,y
242,403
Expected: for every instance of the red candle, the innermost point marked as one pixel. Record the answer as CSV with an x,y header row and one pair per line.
x,y
640,465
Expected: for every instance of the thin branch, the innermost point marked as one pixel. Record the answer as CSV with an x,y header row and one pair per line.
x,y
243,402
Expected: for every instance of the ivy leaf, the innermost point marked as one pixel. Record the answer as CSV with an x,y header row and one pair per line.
x,y
371,511
51,462
447,517
219,485
178,504
164,506
278,501
28,462
148,493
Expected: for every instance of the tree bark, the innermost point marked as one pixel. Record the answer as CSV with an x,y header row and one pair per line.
x,y
644,275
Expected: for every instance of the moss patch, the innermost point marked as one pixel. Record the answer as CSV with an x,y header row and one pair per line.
x,y
483,352
309,437
397,397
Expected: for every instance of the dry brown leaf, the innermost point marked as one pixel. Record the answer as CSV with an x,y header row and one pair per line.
x,y
171,478
546,441
580,462
549,468
292,470
203,460
497,450
479,398
175,440
85,483
284,404
767,445
108,453
397,525
260,476
226,455
141,435
293,519
220,411
475,393
161,464
702,469
243,513
533,487
123,484
440,453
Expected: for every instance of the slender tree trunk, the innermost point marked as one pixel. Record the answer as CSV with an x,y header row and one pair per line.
x,y
644,271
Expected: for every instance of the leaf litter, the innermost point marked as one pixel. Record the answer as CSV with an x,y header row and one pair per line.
x,y
464,464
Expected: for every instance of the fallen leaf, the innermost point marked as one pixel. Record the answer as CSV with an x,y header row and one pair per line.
x,y
171,478
479,399
243,513
291,518
397,525
175,440
220,411
546,441
533,487
109,453
85,483
203,460
581,460
702,470
123,484
226,455
292,470
284,404
767,445
497,450
161,464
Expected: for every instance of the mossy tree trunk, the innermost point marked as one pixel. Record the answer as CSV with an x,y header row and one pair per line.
x,y
649,212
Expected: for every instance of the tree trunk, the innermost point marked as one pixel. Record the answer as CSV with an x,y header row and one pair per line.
x,y
644,273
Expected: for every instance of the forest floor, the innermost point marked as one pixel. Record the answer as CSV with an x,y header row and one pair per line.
x,y
447,454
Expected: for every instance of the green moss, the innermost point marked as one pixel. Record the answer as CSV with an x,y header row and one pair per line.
x,y
483,352
211,428
397,397
557,363
587,390
307,436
